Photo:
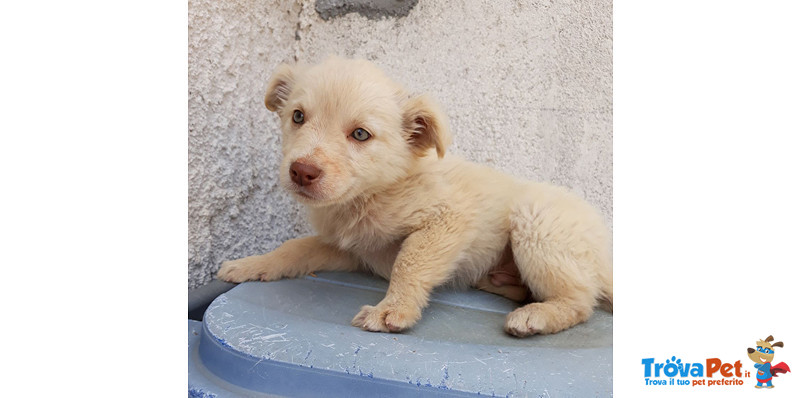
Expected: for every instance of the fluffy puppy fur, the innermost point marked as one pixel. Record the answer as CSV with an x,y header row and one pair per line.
x,y
392,202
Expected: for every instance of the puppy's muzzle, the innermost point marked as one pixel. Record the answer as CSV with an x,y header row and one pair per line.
x,y
304,174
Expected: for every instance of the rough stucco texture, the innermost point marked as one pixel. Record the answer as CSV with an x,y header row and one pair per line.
x,y
527,86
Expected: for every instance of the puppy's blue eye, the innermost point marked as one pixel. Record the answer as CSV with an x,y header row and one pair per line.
x,y
360,134
760,349
298,117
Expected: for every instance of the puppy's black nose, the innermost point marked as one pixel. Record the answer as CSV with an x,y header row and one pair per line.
x,y
304,174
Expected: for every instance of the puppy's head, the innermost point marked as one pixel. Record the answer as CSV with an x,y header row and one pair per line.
x,y
348,130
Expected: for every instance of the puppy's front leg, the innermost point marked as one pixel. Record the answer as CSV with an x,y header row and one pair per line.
x,y
294,258
426,260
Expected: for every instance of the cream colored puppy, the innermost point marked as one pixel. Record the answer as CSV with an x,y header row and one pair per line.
x,y
368,160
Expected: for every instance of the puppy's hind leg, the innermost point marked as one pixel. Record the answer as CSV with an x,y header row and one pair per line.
x,y
554,271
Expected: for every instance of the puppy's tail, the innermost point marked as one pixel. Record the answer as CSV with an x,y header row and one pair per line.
x,y
606,299
607,302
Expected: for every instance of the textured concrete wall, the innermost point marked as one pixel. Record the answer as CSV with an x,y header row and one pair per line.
x,y
527,88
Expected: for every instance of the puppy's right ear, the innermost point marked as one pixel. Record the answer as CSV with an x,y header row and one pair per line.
x,y
279,87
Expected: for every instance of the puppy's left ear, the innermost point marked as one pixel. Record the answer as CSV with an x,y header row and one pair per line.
x,y
425,125
279,87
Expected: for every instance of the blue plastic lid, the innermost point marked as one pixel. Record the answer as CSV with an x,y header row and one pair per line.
x,y
294,338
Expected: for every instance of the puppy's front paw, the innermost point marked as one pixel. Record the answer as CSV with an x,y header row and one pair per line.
x,y
526,321
247,269
236,271
385,318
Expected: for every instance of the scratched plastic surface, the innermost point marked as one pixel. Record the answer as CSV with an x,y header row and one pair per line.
x,y
293,338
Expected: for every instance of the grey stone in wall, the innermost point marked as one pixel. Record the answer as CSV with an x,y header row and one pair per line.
x,y
372,9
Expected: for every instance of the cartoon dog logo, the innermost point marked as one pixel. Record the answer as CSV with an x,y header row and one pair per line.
x,y
762,355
